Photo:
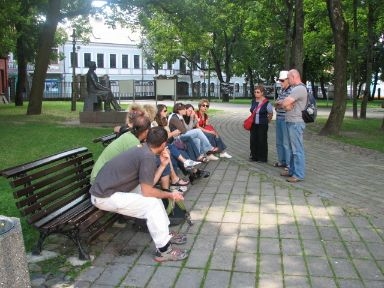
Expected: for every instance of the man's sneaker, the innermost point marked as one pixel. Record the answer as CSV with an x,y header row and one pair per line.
x,y
172,254
178,238
189,164
225,155
212,157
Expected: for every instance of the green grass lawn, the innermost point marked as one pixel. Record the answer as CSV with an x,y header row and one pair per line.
x,y
361,133
26,138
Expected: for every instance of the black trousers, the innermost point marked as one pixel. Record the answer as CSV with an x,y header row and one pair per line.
x,y
259,142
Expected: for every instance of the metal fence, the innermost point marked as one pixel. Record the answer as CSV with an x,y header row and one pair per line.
x,y
60,90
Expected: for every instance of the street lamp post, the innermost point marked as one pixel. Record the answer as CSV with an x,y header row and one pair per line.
x,y
73,95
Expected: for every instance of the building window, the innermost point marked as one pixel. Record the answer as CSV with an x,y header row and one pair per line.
x,y
203,65
183,66
112,61
74,62
136,61
100,60
169,66
54,56
124,61
87,59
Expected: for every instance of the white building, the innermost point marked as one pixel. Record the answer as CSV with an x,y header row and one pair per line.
x,y
117,54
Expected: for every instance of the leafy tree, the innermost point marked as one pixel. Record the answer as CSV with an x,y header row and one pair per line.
x,y
55,11
373,35
7,32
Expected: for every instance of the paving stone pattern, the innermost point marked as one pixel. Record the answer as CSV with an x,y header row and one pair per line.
x,y
253,229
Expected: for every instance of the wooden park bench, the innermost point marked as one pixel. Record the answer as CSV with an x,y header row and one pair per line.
x,y
52,193
105,140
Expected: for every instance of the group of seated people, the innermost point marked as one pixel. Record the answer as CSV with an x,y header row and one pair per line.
x,y
152,150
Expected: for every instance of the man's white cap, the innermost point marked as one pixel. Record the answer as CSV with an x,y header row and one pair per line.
x,y
283,75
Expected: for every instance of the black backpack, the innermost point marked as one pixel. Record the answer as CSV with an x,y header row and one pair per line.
x,y
310,111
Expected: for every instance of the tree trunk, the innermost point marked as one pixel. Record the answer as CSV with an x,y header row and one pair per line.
x,y
355,61
288,34
340,36
21,86
42,57
298,40
370,44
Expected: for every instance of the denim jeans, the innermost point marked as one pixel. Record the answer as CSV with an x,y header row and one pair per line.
x,y
296,141
282,142
216,141
192,150
175,154
200,140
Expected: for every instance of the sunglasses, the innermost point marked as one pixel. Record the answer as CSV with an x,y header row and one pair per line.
x,y
204,105
282,80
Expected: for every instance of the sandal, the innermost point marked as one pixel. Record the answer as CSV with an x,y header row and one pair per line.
x,y
203,159
181,182
213,151
278,164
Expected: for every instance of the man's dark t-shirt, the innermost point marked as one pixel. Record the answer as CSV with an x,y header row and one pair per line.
x,y
125,172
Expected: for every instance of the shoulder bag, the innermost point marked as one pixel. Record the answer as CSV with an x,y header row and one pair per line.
x,y
249,121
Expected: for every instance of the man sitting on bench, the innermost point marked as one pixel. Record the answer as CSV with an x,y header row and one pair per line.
x,y
125,185
103,93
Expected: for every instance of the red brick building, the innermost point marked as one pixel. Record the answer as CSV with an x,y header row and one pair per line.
x,y
3,78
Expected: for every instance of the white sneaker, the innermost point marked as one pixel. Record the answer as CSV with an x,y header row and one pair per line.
x,y
225,155
212,157
181,189
189,164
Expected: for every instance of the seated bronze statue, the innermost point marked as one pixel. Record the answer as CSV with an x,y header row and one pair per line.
x,y
102,93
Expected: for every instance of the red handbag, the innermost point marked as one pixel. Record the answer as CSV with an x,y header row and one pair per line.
x,y
248,122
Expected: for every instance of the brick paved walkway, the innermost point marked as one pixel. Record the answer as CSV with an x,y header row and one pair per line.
x,y
253,229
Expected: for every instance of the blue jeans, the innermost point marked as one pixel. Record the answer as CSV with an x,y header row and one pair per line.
x,y
200,140
193,151
216,141
175,154
167,169
296,142
282,142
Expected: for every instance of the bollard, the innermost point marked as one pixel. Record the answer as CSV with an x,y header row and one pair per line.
x,y
13,262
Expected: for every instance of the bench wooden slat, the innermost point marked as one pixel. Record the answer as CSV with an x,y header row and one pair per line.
x,y
86,161
32,195
54,210
105,139
52,193
82,204
13,171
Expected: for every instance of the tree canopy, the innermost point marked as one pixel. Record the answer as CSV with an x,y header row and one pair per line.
x,y
253,39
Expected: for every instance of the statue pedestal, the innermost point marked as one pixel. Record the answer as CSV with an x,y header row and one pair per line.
x,y
98,117
13,261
